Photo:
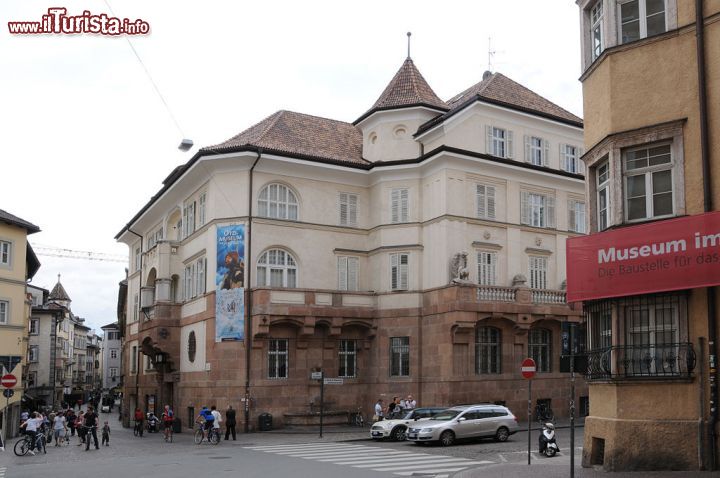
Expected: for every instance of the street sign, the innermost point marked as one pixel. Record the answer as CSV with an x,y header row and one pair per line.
x,y
8,392
316,375
8,380
333,381
528,368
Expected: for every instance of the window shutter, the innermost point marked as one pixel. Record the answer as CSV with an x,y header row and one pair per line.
x,y
550,210
404,206
342,273
352,273
524,207
352,210
394,272
571,216
481,211
490,194
563,161
404,271
395,205
581,164
509,144
546,152
488,139
343,208
527,149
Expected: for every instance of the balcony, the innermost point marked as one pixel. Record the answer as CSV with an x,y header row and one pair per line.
x,y
642,362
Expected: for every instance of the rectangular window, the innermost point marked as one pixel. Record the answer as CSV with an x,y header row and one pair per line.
x,y
652,334
348,209
201,208
400,356
536,150
138,258
485,200
648,182
34,326
113,372
200,282
641,19
33,352
576,216
538,272
596,35
399,205
570,159
5,249
347,273
537,210
189,219
136,307
487,350
133,360
487,268
347,358
113,353
499,142
4,311
539,346
278,358
602,173
399,271
32,379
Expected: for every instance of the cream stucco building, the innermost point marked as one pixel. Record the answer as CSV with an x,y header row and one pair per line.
x,y
349,234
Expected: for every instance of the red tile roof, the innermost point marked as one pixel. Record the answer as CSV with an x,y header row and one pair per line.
x,y
407,88
302,135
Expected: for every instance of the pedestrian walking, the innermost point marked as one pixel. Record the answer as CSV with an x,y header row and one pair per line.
x,y
230,422
217,421
81,430
91,424
106,434
59,428
70,417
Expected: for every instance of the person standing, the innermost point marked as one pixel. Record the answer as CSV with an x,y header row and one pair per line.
x,y
379,410
70,417
216,422
59,428
81,430
91,424
230,424
139,418
410,403
106,434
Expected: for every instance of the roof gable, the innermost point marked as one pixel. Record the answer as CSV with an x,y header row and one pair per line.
x,y
8,218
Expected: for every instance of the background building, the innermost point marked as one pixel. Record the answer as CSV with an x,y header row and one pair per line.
x,y
18,264
111,357
648,67
420,249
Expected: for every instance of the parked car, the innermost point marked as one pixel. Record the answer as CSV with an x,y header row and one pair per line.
x,y
396,428
467,421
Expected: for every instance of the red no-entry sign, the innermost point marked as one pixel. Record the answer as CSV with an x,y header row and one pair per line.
x,y
528,368
8,380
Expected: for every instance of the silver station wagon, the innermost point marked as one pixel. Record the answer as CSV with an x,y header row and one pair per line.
x,y
395,429
467,421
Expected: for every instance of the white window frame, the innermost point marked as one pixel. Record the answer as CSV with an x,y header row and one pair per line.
x,y
399,356
188,219
499,141
642,19
281,356
537,210
5,253
399,205
596,25
570,159
347,209
487,267
399,271
577,218
602,179
347,358
348,272
537,150
202,203
34,327
273,262
200,277
33,353
113,353
538,271
485,201
4,312
648,172
138,258
136,307
278,201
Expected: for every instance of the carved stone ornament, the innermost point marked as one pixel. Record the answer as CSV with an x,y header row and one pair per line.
x,y
486,235
538,241
459,273
519,281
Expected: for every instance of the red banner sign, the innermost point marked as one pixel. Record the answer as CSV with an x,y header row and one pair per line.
x,y
674,254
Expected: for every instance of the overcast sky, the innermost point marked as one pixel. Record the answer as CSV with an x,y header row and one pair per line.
x,y
86,141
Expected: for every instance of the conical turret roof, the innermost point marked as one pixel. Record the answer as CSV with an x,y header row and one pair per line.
x,y
407,88
58,292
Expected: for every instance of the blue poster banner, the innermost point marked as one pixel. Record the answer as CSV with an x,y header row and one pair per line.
x,y
230,283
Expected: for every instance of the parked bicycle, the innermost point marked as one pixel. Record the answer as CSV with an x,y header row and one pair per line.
x,y
212,435
356,419
23,445
543,412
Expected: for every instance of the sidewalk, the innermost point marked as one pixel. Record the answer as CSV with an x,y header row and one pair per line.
x,y
549,470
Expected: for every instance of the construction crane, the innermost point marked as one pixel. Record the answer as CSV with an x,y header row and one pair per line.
x,y
42,250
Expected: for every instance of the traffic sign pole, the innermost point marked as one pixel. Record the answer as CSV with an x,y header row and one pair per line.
x,y
529,416
527,369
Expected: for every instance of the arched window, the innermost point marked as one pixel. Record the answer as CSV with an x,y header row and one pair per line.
x,y
488,345
277,201
539,341
276,268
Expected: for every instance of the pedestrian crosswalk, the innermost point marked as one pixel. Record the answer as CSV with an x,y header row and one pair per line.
x,y
403,463
2,472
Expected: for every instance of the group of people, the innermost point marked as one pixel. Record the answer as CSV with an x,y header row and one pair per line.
x,y
210,418
64,424
397,408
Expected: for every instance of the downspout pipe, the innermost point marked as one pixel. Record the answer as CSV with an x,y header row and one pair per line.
x,y
138,366
708,206
248,290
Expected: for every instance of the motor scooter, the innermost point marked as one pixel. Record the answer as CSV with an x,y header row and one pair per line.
x,y
152,423
548,445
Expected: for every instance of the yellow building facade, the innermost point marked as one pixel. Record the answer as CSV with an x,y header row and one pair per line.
x,y
643,74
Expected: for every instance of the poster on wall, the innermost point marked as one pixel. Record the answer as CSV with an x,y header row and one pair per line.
x,y
230,284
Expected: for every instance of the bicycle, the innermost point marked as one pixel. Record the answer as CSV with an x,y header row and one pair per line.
x,y
212,435
168,432
138,430
356,419
22,446
543,412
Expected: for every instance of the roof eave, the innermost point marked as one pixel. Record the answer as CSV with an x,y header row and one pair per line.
x,y
372,111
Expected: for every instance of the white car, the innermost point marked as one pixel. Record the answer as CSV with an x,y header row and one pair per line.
x,y
396,429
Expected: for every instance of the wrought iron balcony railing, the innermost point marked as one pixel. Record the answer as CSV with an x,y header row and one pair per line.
x,y
628,362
